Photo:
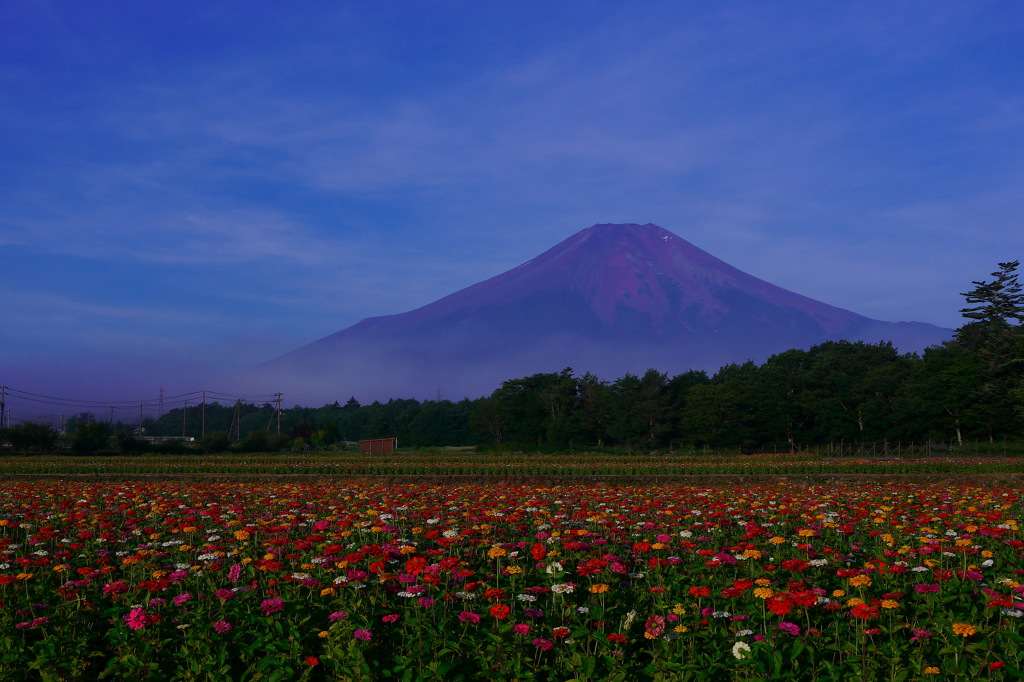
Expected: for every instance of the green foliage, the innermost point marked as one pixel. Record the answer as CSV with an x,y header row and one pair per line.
x,y
998,301
128,444
29,437
217,441
92,437
261,441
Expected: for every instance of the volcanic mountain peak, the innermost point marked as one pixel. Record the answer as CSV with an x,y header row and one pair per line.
x,y
622,270
609,299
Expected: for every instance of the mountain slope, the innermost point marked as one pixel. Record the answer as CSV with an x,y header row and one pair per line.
x,y
610,299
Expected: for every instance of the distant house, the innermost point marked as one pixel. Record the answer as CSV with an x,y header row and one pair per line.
x,y
378,445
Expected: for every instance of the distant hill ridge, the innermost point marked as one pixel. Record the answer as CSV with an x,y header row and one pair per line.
x,y
611,299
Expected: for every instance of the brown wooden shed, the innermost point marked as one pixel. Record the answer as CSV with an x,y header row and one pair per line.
x,y
378,445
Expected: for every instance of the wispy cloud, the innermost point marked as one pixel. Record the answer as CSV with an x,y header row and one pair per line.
x,y
361,162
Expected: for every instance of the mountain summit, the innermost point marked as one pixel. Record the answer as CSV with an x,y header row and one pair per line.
x,y
610,299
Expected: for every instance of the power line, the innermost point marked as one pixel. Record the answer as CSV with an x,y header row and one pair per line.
x,y
10,395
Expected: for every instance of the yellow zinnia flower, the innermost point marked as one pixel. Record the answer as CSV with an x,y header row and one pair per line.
x,y
964,629
860,580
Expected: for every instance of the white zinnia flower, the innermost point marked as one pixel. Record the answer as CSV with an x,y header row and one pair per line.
x,y
740,649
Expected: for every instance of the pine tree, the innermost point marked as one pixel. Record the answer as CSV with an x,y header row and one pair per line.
x,y
995,335
998,301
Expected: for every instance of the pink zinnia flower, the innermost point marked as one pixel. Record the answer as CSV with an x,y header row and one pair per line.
x,y
390,618
654,626
222,626
364,635
235,572
116,587
790,628
469,617
543,644
224,594
182,599
336,616
521,629
136,619
270,606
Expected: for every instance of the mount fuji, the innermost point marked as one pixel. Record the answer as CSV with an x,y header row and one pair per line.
x,y
610,299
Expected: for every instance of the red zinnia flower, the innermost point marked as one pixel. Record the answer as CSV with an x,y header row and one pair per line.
x,y
494,594
865,612
780,604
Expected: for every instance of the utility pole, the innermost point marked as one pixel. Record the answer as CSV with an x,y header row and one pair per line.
x,y
203,430
184,414
111,416
160,404
278,401
3,405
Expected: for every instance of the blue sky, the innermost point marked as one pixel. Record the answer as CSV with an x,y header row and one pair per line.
x,y
193,187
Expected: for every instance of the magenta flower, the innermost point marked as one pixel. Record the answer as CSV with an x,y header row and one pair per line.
x,y
543,644
182,599
136,619
390,618
116,587
920,635
235,572
364,635
926,588
790,628
222,626
270,606
224,594
469,617
336,616
521,629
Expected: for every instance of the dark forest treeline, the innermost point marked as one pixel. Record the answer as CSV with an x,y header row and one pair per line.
x,y
971,387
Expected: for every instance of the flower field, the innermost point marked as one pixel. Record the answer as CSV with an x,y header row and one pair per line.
x,y
246,581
